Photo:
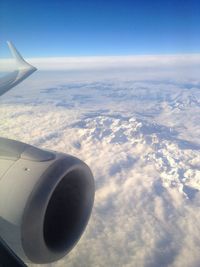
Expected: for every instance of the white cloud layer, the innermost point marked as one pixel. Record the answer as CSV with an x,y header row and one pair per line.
x,y
147,61
113,62
140,135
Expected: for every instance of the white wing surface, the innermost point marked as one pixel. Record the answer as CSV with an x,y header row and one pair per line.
x,y
23,70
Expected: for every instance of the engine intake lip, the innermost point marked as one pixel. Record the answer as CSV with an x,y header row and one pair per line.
x,y
44,240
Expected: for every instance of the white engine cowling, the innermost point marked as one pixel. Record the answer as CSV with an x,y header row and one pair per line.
x,y
46,200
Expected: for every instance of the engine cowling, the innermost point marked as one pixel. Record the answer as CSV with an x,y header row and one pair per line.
x,y
46,200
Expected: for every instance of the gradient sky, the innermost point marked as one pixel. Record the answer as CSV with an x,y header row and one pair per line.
x,y
83,28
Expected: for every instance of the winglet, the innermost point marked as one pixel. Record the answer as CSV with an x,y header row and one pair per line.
x,y
24,69
19,59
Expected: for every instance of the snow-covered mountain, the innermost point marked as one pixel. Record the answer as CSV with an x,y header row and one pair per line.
x,y
141,138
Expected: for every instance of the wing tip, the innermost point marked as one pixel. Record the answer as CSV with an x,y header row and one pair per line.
x,y
18,57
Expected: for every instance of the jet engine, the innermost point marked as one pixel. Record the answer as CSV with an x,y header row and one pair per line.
x,y
46,200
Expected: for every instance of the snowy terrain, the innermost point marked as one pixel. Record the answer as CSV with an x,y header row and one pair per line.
x,y
139,131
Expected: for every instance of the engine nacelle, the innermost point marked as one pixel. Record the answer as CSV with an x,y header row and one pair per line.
x,y
46,200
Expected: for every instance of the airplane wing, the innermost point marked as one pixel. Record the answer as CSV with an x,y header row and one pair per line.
x,y
49,195
24,70
8,257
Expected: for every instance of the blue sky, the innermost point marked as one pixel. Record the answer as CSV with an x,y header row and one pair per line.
x,y
83,28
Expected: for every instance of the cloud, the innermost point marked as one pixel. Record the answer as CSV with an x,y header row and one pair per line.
x,y
111,62
114,62
141,139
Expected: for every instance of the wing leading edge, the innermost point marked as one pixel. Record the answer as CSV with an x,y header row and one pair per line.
x,y
24,69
